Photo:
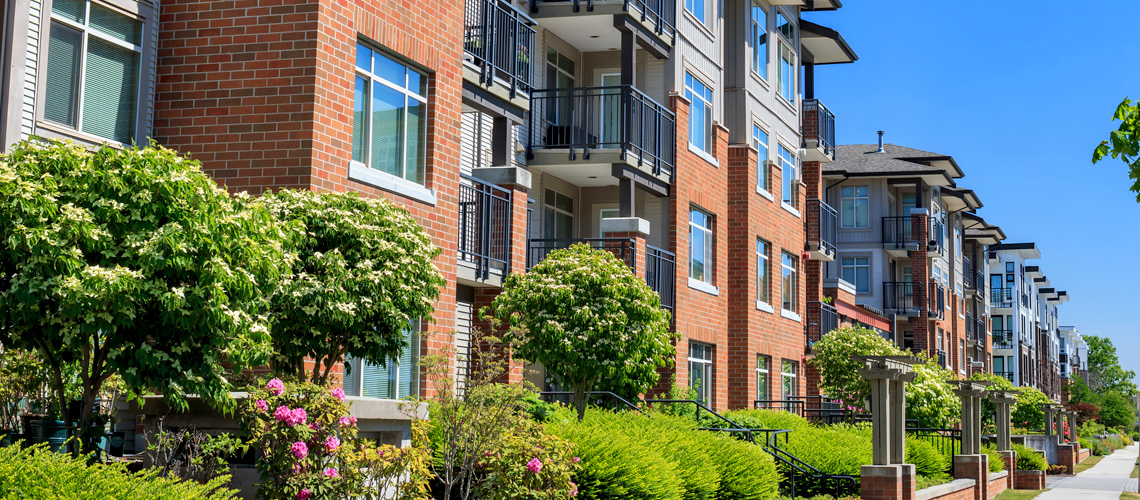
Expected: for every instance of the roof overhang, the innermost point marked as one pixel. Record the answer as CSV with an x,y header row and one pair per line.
x,y
946,163
826,45
1025,250
958,199
1041,282
1033,272
928,177
823,5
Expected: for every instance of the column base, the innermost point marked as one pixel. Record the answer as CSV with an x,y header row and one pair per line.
x,y
881,482
976,467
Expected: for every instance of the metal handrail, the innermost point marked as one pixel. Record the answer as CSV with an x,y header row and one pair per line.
x,y
660,275
500,40
484,226
825,125
805,468
615,397
822,319
826,230
1001,297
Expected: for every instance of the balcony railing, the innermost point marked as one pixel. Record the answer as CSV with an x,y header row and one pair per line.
x,y
484,227
902,295
819,124
662,13
616,117
971,327
898,231
660,274
1024,300
941,358
822,319
1063,358
967,273
1003,339
1001,297
625,249
937,236
978,284
826,229
938,301
980,328
1008,375
500,41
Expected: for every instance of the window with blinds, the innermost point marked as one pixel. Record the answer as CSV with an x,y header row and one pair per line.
x,y
93,64
389,119
396,379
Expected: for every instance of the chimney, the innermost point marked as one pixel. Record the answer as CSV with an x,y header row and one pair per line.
x,y
881,142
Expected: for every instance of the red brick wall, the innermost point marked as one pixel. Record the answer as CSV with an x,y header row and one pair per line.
x,y
1029,480
997,486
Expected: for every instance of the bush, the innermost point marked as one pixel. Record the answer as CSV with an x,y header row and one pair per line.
x,y
38,473
996,463
1085,443
528,463
1027,411
923,482
1057,469
839,374
1028,458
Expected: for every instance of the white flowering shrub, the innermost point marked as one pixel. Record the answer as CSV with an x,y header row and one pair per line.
x,y
930,399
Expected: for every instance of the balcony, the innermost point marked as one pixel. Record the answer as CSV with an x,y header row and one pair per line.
x,y
899,234
660,274
822,319
942,358
498,46
818,132
1003,339
971,329
904,298
625,249
822,230
1064,358
980,329
590,25
938,301
484,247
1001,297
1008,375
976,286
937,243
579,134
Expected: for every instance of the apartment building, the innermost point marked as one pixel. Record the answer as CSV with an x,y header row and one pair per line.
x,y
1073,355
909,252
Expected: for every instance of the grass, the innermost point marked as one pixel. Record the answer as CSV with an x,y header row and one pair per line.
x,y
1022,494
1125,495
1088,463
1135,472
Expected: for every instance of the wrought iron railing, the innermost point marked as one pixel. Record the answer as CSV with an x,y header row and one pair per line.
x,y
660,274
1003,339
823,128
662,13
979,284
937,301
1001,297
500,41
902,295
948,442
971,333
941,355
899,231
980,329
484,226
967,273
826,229
1008,375
822,319
937,236
617,117
625,249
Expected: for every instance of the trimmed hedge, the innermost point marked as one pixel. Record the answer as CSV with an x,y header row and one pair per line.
x,y
1029,459
996,463
38,473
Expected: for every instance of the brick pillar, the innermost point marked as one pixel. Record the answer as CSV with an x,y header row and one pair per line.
x,y
1009,458
920,269
1066,456
976,467
908,481
881,482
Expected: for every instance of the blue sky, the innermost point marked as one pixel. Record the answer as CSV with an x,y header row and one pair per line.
x,y
1019,94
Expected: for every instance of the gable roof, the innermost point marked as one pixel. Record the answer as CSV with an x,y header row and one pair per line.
x,y
864,160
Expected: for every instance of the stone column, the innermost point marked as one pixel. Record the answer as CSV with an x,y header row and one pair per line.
x,y
888,478
1059,416
971,393
1048,409
1003,400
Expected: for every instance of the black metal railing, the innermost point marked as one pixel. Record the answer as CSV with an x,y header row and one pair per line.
x,y
826,229
1001,297
1024,300
937,301
978,285
500,41
1003,339
967,273
941,355
1008,375
902,295
819,123
660,274
971,333
618,117
948,442
937,237
484,226
899,231
822,319
601,399
625,249
1063,357
662,13
980,329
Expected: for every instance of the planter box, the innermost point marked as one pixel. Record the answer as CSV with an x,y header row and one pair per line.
x,y
1029,480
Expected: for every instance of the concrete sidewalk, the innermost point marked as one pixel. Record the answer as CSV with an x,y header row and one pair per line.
x,y
1104,481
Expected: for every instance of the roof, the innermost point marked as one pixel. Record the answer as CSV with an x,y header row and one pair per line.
x,y
957,199
1026,250
825,45
864,160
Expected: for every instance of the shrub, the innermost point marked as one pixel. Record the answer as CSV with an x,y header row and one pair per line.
x,y
1057,469
996,462
36,472
839,374
528,463
1027,411
926,458
922,482
930,399
1085,443
1028,458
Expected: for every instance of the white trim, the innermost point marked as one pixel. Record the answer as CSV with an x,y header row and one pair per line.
x,y
704,287
766,307
790,315
362,173
764,193
790,210
703,155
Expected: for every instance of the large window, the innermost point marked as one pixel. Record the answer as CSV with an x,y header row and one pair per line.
x,y
763,364
857,271
93,75
698,8
700,246
389,127
788,164
701,371
560,71
764,170
790,370
397,379
558,212
855,205
700,113
760,40
789,281
763,270
787,74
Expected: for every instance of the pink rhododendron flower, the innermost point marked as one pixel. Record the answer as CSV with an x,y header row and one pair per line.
x,y
534,465
332,443
300,450
299,416
576,459
283,413
276,386
303,494
338,393
262,405
573,489
331,473
347,421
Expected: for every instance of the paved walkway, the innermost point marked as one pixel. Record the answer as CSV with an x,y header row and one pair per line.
x,y
1104,481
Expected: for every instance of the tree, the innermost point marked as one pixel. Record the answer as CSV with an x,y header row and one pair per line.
x,y
930,399
586,317
364,272
1028,412
1116,410
132,262
838,372
1105,372
997,383
1080,392
1124,142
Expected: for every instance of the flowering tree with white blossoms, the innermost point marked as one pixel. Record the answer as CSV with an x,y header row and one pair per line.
x,y
588,319
132,262
363,273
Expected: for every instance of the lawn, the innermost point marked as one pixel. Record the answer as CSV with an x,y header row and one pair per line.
x,y
1089,462
1135,472
1022,494
1124,495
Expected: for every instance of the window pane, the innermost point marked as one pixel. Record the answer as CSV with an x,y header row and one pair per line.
x,y
352,376
61,91
417,83
360,119
863,279
407,381
697,254
417,134
387,128
862,213
388,69
363,57
848,209
110,91
72,10
121,26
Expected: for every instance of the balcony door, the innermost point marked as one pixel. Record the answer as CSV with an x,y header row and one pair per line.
x,y
560,71
558,210
609,114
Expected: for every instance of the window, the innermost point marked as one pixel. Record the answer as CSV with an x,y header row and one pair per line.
x,y
700,246
700,113
700,371
92,81
962,356
389,127
788,164
762,271
857,271
786,28
560,75
763,363
764,175
788,283
855,203
698,9
760,40
787,75
790,386
559,216
958,241
398,379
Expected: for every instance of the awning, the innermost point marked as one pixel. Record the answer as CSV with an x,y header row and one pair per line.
x,y
858,314
826,45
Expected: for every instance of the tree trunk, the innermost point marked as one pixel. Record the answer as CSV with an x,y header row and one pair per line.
x,y
580,399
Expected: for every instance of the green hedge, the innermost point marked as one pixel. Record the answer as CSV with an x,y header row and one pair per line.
x,y
626,455
996,463
38,473
1028,458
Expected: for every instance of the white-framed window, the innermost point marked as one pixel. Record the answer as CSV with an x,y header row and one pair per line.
x,y
857,271
558,212
700,246
701,371
958,242
962,356
789,282
93,81
790,376
855,207
398,379
700,113
786,77
763,365
699,9
760,39
763,271
389,126
790,181
764,170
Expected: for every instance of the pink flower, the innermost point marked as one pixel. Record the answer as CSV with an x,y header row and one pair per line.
x,y
313,427
300,450
534,465
303,494
298,417
573,489
276,386
338,393
262,405
332,443
331,473
347,421
283,413
576,459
